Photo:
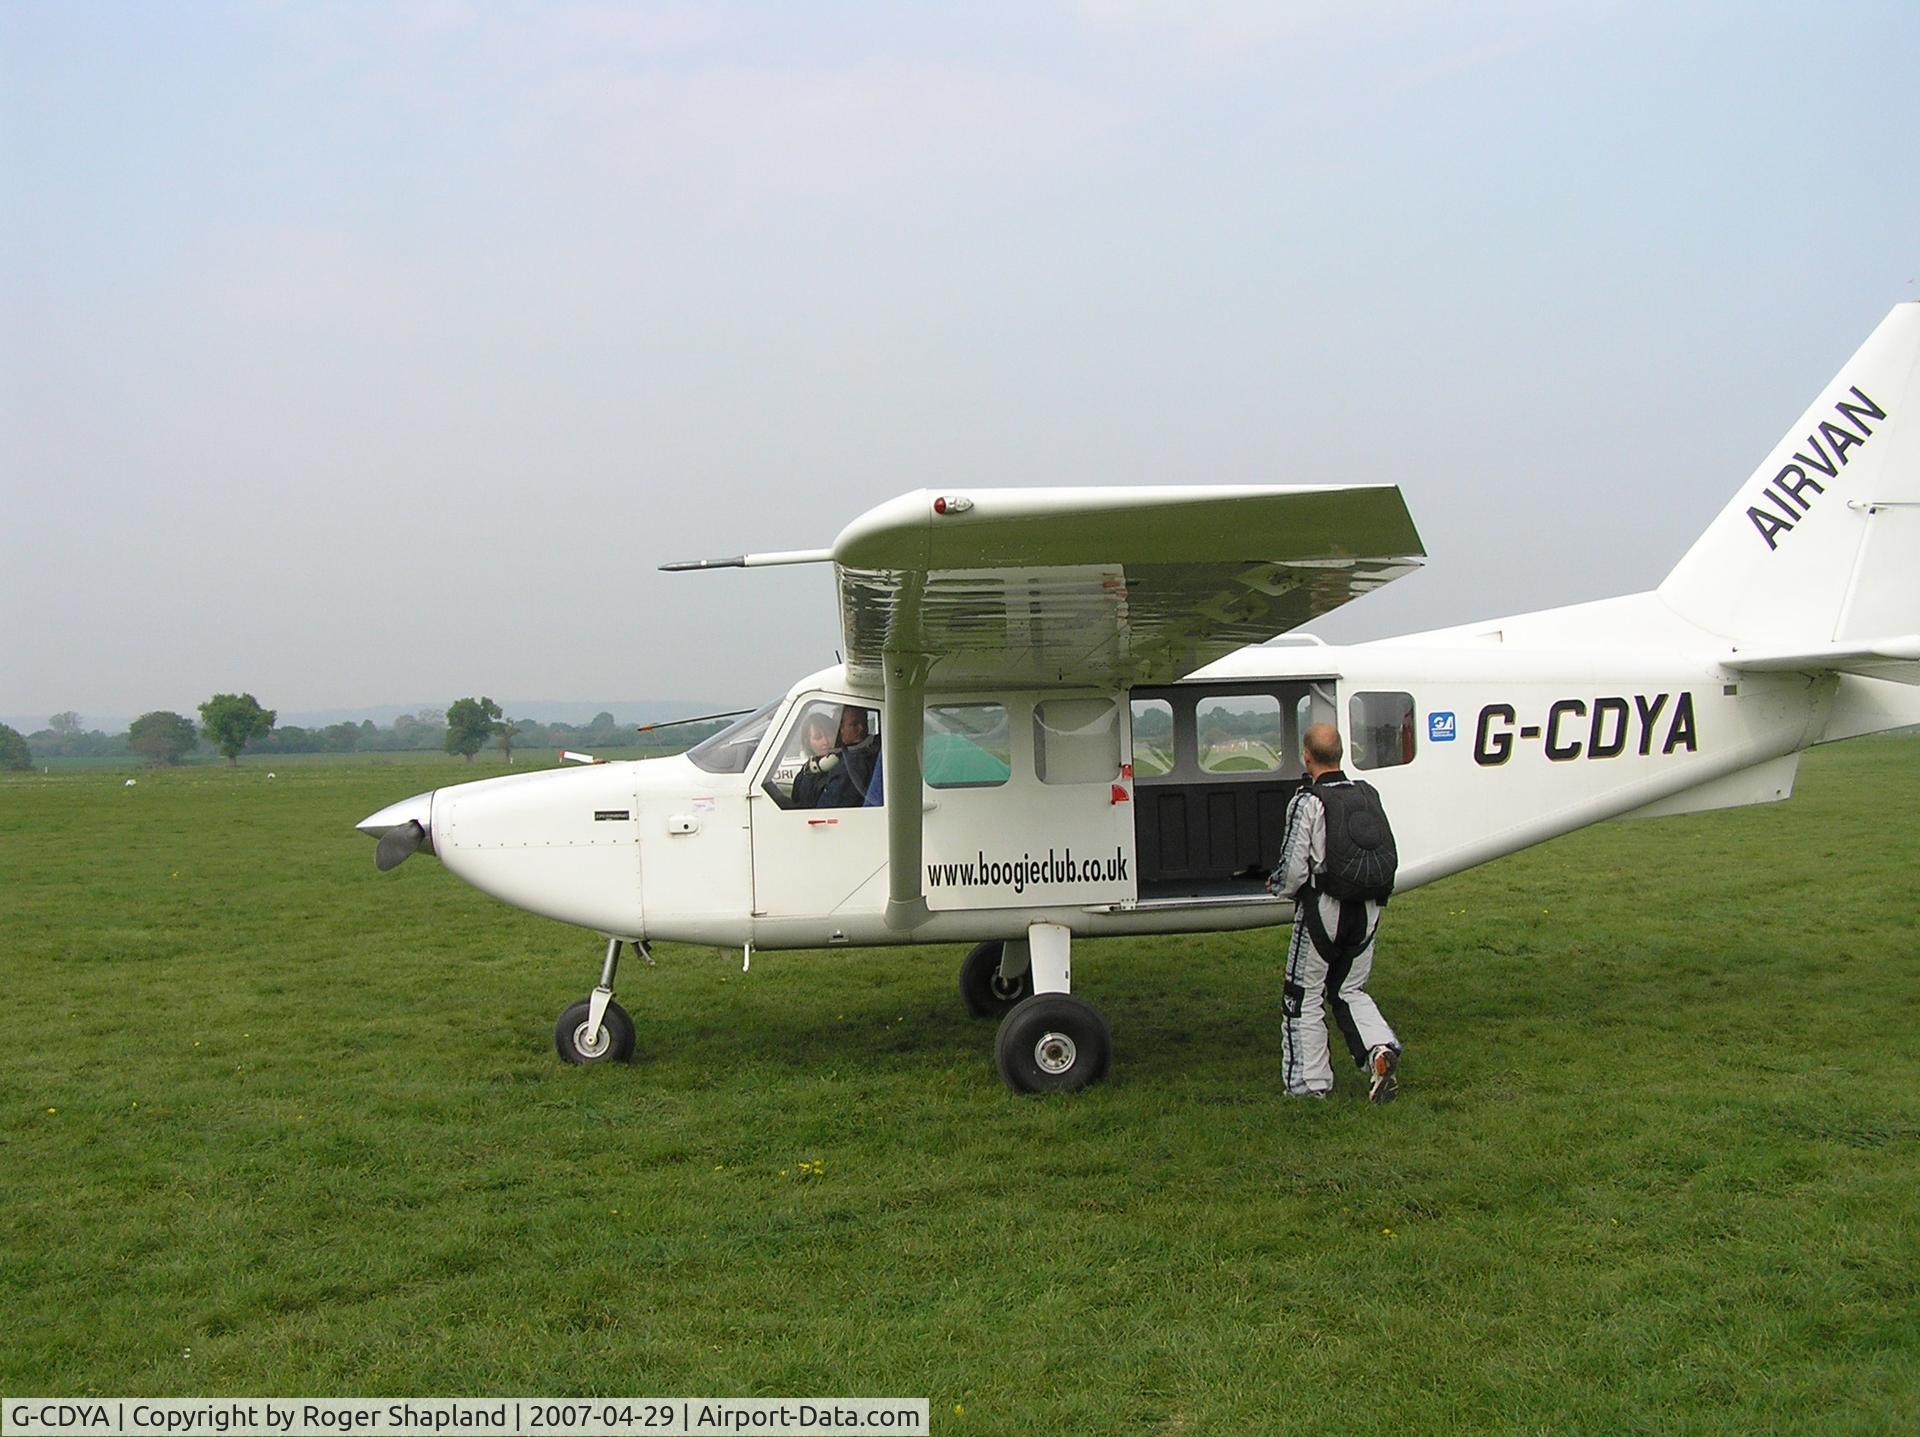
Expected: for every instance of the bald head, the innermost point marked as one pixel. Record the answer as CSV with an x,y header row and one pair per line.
x,y
1321,749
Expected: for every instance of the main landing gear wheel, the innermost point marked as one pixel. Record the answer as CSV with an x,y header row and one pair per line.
x,y
612,1044
983,990
1052,1043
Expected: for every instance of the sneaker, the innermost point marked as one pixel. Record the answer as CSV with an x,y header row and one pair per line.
x,y
1383,1063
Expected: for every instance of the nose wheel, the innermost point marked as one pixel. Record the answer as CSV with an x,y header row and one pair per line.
x,y
597,1029
991,986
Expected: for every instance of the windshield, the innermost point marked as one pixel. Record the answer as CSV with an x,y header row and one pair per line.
x,y
732,749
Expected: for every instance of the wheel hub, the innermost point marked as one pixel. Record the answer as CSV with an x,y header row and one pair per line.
x,y
591,1045
1054,1053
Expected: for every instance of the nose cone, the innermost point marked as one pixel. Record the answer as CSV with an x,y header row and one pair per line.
x,y
418,809
403,828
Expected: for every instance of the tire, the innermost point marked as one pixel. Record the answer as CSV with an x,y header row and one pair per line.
x,y
616,1035
1052,1043
983,990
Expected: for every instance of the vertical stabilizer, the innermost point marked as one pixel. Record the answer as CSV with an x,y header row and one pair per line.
x,y
1822,543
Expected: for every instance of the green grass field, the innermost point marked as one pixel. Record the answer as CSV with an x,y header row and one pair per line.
x,y
273,1123
482,765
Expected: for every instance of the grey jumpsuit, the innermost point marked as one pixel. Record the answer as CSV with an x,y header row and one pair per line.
x,y
1314,979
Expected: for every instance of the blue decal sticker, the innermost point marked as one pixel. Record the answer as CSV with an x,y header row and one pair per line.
x,y
1441,728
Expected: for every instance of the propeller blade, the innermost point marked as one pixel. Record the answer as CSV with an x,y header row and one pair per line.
x,y
399,845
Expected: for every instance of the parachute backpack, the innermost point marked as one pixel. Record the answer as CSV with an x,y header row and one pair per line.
x,y
1361,856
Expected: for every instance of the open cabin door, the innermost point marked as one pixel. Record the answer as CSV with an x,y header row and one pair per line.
x,y
1027,803
1215,765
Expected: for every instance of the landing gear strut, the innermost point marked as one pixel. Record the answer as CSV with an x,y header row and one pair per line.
x,y
1051,1041
597,1029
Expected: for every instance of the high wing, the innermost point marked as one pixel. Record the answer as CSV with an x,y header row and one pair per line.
x,y
1104,586
1081,587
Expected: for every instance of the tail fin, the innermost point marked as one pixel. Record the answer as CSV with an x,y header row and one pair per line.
x,y
1822,543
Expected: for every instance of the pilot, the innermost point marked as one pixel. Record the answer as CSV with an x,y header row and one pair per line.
x,y
1330,955
809,785
859,760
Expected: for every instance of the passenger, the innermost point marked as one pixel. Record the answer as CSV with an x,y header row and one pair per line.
x,y
810,784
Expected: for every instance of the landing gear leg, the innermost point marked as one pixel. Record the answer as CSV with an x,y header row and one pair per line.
x,y
597,1029
1052,1042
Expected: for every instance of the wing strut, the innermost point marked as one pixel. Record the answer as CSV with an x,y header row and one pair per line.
x,y
902,730
752,561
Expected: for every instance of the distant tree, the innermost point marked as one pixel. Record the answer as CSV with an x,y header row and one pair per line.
x,y
290,738
231,721
470,723
162,736
342,737
66,724
77,743
13,749
504,733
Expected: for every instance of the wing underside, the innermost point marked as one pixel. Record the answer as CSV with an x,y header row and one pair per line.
x,y
1104,587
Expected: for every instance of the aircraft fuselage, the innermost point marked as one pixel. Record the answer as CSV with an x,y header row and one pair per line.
x,y
1478,750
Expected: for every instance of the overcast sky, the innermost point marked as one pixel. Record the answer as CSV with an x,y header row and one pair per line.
x,y
354,354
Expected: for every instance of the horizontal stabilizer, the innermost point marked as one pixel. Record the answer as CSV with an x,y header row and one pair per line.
x,y
1896,658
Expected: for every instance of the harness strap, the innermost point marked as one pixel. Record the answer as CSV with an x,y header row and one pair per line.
x,y
1344,944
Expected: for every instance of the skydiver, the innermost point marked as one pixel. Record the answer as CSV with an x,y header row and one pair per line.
x,y
1330,953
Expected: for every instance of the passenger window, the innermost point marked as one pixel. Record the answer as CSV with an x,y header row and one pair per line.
x,y
1076,741
1381,730
967,746
1240,733
1152,738
830,758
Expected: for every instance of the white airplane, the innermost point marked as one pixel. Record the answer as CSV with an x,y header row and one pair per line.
x,y
1074,688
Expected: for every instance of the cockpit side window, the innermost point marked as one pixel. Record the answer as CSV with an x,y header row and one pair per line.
x,y
732,749
829,758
